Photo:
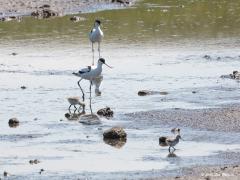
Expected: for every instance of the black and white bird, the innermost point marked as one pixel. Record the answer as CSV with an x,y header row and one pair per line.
x,y
96,35
91,73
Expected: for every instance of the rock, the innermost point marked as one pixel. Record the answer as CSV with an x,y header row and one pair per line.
x,y
44,13
207,57
5,174
115,133
148,92
90,119
121,1
117,143
41,170
23,87
107,112
194,92
76,18
35,161
14,54
73,116
162,141
13,122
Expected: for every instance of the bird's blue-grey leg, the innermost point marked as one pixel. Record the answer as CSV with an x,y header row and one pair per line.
x,y
83,96
99,55
92,54
69,109
91,97
169,149
75,109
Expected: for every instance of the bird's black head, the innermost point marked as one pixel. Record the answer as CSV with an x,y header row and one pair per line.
x,y
98,21
102,60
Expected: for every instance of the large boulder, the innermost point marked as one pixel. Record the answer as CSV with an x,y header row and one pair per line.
x,y
115,133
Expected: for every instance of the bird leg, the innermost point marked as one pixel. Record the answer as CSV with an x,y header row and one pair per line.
x,y
75,109
169,149
92,54
99,50
91,97
69,109
83,96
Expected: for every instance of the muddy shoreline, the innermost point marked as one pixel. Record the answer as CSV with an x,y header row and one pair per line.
x,y
224,119
62,7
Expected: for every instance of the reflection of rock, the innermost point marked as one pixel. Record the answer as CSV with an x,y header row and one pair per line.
x,y
171,155
115,133
97,82
13,122
117,143
90,119
148,92
107,112
73,116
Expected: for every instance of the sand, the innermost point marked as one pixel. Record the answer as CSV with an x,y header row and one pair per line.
x,y
63,7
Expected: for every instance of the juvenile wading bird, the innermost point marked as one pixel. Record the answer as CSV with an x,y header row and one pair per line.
x,y
162,139
96,35
172,142
90,73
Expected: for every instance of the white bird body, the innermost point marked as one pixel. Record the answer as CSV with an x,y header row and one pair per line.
x,y
90,72
96,34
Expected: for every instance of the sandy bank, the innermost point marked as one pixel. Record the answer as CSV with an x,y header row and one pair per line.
x,y
216,119
63,7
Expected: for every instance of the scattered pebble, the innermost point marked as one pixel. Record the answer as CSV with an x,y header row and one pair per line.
x,y
107,112
5,174
23,87
13,122
41,171
35,161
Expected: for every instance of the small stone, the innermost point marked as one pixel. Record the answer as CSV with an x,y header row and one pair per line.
x,y
23,87
143,93
115,133
41,170
5,174
194,92
14,54
107,112
13,122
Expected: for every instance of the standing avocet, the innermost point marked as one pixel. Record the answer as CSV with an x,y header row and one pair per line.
x,y
90,73
96,35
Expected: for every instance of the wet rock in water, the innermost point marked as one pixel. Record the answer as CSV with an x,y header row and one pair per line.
x,y
148,92
207,57
76,18
115,133
234,75
90,119
121,1
44,12
13,122
117,143
5,174
14,54
23,87
106,112
162,141
41,171
35,161
194,92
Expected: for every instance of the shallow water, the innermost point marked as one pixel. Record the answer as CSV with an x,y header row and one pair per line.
x,y
156,45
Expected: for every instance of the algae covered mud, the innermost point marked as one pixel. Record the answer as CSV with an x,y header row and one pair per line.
x,y
181,48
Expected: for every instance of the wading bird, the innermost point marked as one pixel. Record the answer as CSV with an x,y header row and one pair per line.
x,y
172,142
96,35
90,73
